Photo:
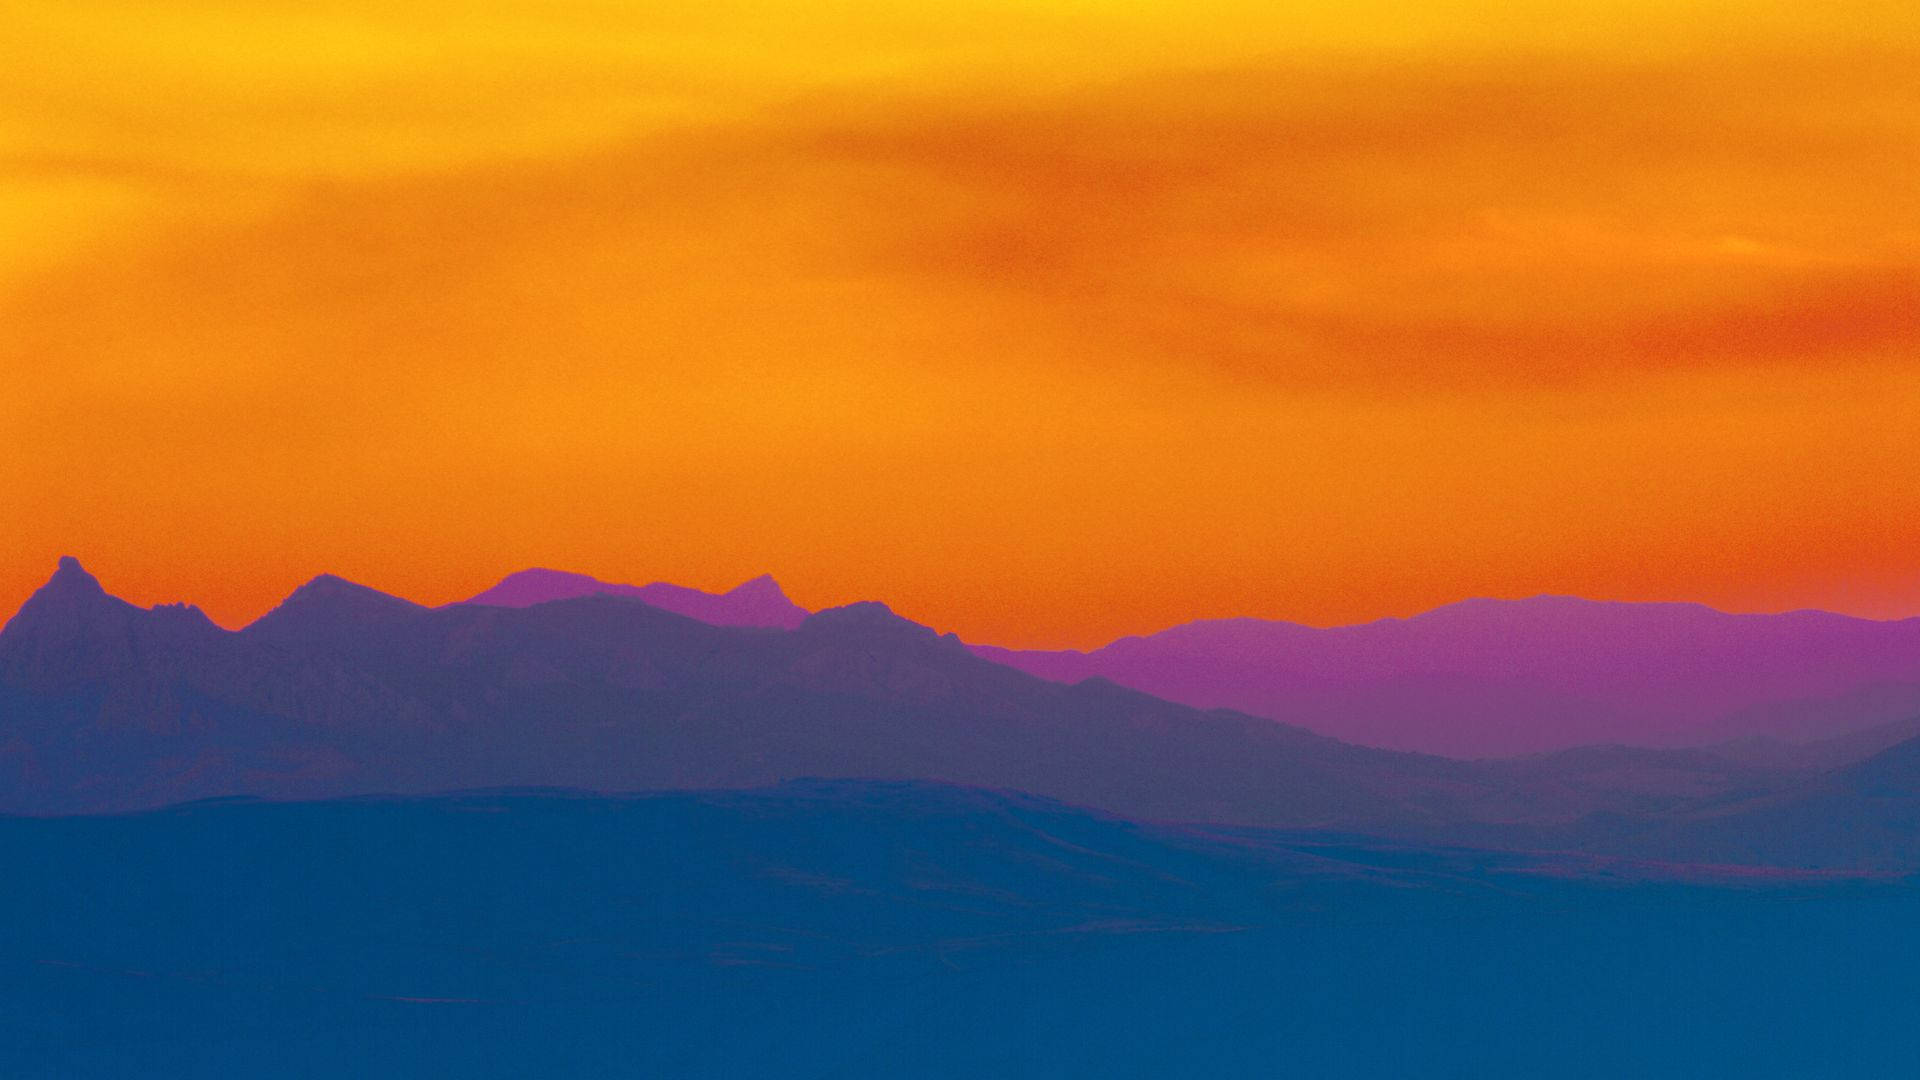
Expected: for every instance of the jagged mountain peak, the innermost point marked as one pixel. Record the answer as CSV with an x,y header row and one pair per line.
x,y
328,605
71,599
69,571
759,602
72,633
762,586
865,617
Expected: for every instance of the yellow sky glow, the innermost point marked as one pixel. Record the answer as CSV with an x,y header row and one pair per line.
x,y
1044,322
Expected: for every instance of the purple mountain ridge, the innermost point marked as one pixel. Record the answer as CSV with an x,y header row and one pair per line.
x,y
759,602
1501,677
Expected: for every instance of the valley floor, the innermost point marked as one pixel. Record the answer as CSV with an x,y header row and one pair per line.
x,y
890,930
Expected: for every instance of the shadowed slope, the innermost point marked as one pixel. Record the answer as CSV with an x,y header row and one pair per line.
x,y
1864,815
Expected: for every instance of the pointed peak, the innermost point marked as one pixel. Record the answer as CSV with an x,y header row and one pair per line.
x,y
762,586
332,588
70,575
71,588
864,616
325,584
759,602
329,603
69,607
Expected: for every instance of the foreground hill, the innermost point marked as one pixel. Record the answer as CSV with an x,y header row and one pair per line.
x,y
1497,677
1859,816
847,929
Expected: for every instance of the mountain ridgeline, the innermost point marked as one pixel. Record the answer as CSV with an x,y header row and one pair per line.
x,y
1502,677
760,602
1480,678
342,690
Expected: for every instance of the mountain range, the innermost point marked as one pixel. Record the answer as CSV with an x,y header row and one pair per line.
x,y
564,830
1502,677
342,690
759,602
1480,678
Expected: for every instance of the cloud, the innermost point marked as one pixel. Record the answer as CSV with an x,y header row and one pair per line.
x,y
1360,323
1454,224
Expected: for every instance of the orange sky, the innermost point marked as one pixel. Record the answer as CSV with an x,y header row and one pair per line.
x,y
1044,322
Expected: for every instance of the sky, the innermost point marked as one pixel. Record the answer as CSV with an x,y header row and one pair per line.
x,y
1043,322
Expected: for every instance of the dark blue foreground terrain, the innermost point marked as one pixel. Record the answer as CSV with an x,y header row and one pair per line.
x,y
883,930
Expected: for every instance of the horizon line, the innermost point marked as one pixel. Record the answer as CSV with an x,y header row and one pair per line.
x,y
1196,621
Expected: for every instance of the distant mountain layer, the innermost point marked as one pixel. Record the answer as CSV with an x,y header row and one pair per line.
x,y
759,602
1493,677
900,929
1863,815
1482,678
